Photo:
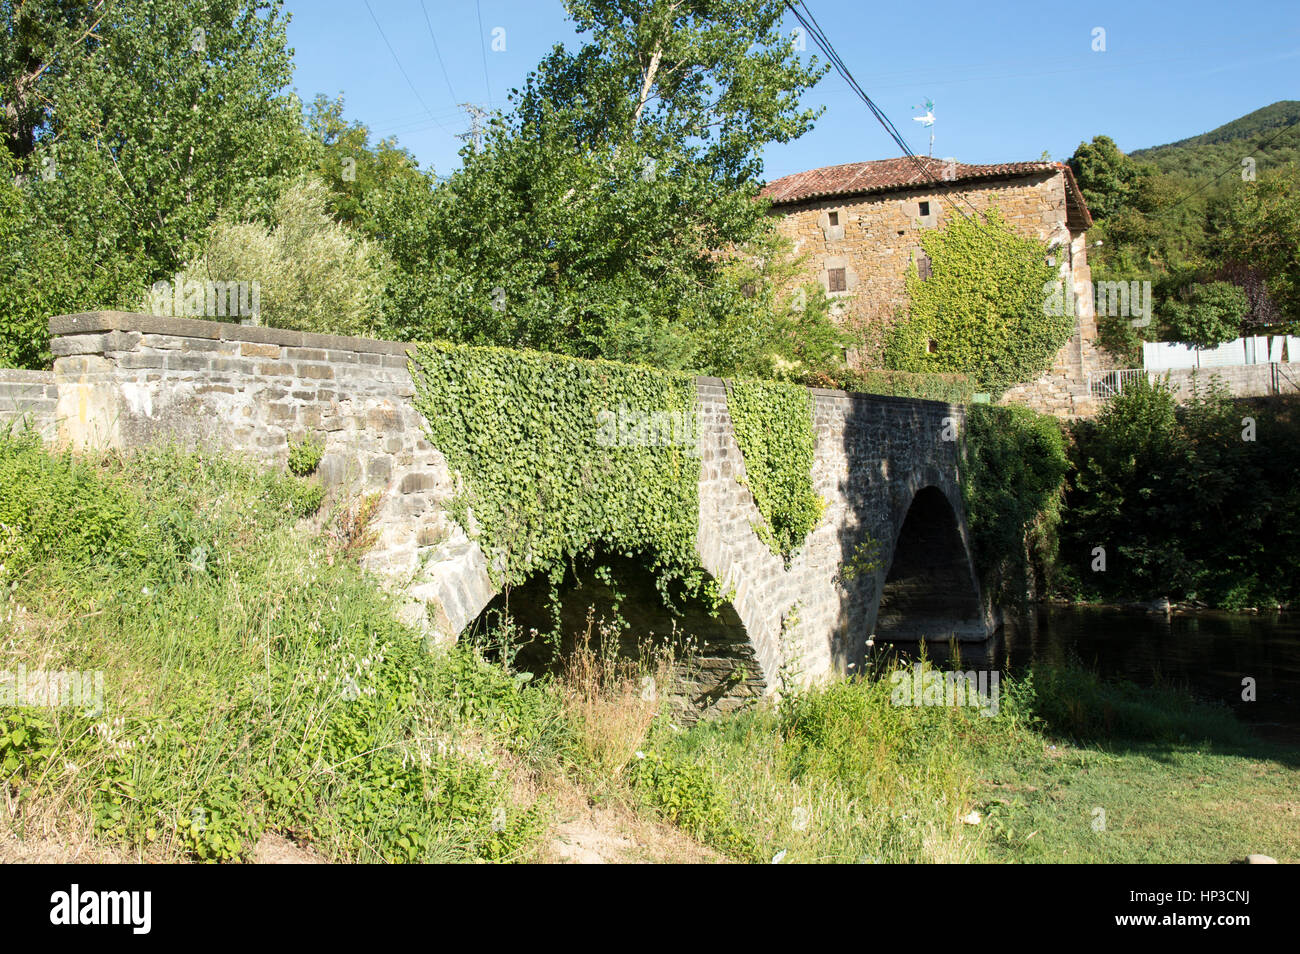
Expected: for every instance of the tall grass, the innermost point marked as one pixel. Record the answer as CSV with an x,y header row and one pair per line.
x,y
253,681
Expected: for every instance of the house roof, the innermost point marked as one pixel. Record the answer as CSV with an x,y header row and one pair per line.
x,y
889,175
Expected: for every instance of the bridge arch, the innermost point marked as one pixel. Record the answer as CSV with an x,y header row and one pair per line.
x,y
929,589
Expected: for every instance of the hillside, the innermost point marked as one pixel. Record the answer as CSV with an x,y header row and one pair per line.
x,y
1271,135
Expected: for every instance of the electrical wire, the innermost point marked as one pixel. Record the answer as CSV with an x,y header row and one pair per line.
x,y
813,28
402,70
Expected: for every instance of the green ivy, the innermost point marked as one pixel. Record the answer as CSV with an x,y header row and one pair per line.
x,y
773,424
552,472
982,310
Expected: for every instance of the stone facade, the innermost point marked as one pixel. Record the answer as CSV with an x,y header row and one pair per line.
x,y
882,465
875,236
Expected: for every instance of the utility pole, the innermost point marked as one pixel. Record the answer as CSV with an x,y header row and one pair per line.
x,y
475,134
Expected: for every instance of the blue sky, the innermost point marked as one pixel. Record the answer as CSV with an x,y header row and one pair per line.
x,y
1009,79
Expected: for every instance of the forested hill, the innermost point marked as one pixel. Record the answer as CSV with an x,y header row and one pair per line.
x,y
1271,135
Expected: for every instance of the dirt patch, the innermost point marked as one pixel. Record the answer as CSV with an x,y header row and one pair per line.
x,y
615,834
56,851
273,849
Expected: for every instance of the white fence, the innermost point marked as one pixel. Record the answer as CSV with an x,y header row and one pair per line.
x,y
1106,384
1259,349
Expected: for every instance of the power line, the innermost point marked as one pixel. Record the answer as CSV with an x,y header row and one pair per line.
x,y
810,24
1268,142
437,52
483,48
402,69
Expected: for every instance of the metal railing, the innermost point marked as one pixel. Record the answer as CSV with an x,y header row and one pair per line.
x,y
1107,384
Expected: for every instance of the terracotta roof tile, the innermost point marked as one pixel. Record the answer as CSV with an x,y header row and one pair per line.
x,y
886,175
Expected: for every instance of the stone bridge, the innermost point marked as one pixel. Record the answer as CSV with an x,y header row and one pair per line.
x,y
890,556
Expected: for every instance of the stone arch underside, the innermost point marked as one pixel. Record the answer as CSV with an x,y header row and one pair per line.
x,y
715,669
929,590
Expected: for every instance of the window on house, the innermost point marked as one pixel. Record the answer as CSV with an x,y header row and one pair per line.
x,y
836,279
932,347
835,219
923,269
925,208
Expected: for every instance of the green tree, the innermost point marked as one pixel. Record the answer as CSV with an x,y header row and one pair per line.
x,y
313,273
1014,481
711,80
356,172
39,39
1260,227
176,115
133,125
584,223
1154,484
1208,314
986,308
765,323
1106,175
43,272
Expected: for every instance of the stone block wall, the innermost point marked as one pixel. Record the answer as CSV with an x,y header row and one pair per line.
x,y
28,399
873,455
1247,380
128,380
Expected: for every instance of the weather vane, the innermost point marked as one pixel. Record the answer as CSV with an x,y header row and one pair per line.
x,y
927,120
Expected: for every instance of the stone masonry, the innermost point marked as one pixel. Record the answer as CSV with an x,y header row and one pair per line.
x,y
129,381
28,399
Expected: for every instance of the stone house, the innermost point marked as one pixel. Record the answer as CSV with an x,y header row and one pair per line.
x,y
859,225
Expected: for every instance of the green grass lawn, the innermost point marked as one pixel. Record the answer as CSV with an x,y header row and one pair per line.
x,y
1162,802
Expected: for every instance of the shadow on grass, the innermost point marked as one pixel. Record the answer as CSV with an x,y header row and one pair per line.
x,y
1076,704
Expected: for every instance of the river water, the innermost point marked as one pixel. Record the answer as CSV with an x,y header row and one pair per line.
x,y
1207,653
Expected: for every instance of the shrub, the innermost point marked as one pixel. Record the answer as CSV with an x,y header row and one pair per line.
x,y
56,507
314,274
949,388
1208,315
1075,703
305,454
1155,484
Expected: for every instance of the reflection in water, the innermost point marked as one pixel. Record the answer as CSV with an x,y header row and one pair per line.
x,y
1207,653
